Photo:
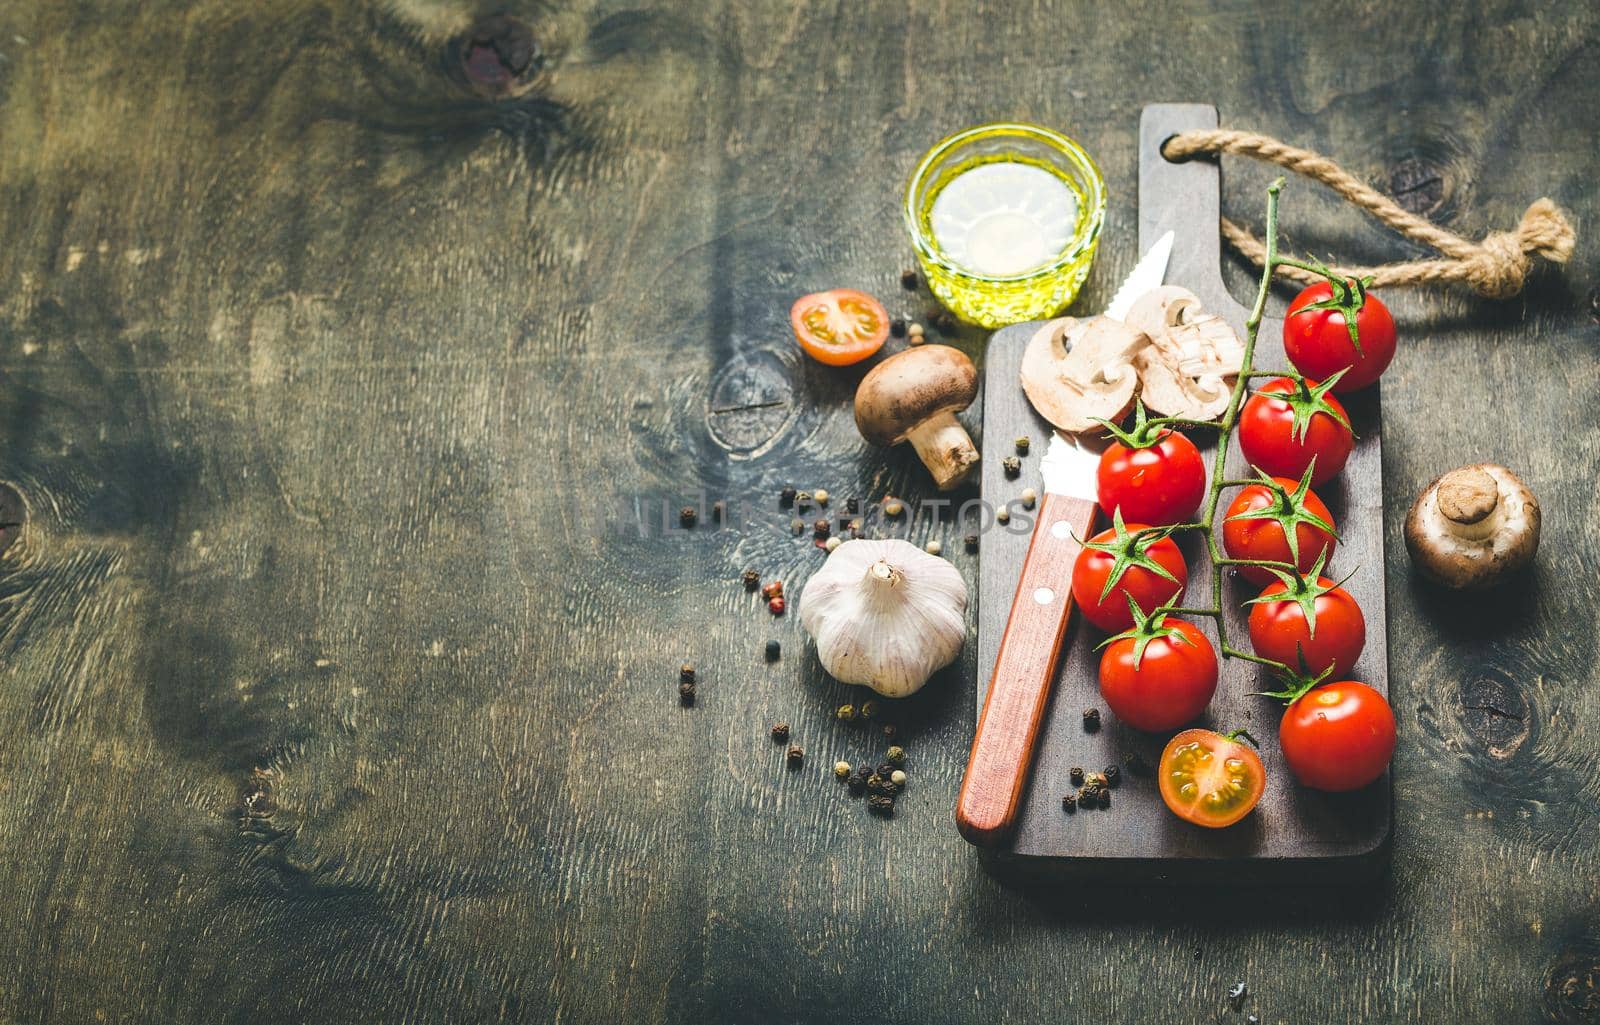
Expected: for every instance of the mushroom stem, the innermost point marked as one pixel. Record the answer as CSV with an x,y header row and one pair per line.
x,y
944,448
1469,501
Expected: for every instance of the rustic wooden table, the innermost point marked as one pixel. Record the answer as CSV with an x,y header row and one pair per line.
x,y
344,347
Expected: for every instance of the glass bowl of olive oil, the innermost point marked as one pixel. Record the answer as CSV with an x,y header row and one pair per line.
x,y
1005,219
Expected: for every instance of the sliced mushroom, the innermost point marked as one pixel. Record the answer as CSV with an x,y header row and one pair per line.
x,y
1188,370
1076,372
1473,526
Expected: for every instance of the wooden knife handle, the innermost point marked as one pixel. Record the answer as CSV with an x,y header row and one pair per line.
x,y
1024,669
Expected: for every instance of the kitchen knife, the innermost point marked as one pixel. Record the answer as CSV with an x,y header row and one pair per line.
x,y
1025,667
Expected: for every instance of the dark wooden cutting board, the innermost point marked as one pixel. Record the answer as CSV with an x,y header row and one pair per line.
x,y
1296,835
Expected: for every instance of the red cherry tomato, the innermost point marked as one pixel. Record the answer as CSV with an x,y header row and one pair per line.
x,y
1283,427
1254,528
839,327
1316,337
1161,678
1338,736
1210,779
1281,631
1161,484
1118,563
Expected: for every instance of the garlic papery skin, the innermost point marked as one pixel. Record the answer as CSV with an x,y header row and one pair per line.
x,y
885,615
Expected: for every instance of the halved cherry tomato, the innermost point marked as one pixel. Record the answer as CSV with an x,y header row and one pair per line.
x,y
1316,334
839,327
1210,779
1286,428
1160,484
1120,563
1339,736
1315,620
1290,526
1158,675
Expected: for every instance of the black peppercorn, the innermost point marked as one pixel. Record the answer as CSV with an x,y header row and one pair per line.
x,y
1091,719
1022,445
897,327
752,579
908,280
852,505
718,511
687,516
786,496
941,321
780,731
795,755
686,692
774,649
1076,775
889,730
1012,466
686,672
884,768
822,528
881,804
1113,775
1105,797
877,783
971,541
1069,802
858,781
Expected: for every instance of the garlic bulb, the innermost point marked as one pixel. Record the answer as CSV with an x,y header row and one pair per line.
x,y
885,614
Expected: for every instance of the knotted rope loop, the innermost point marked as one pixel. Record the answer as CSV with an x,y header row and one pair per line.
x,y
1496,267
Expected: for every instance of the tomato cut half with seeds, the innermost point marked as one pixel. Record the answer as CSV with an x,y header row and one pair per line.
x,y
840,326
1210,779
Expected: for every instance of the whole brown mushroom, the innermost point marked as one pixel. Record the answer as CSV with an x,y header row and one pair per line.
x,y
1473,527
914,396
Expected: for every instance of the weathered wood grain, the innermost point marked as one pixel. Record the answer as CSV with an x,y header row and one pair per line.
x,y
339,678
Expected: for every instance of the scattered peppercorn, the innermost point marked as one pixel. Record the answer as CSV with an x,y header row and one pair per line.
x,y
889,730
718,511
687,516
774,649
1069,802
898,777
1012,466
918,338
1113,775
686,672
858,781
822,528
941,321
1105,797
1022,445
686,692
776,606
832,543
877,783
773,589
933,547
852,505
780,731
897,327
821,496
893,507
752,580
797,526
795,755
869,709
896,755
845,713
1002,515
908,280
1076,775
1029,497
971,541
841,770
881,804
855,528
1096,779
1252,1019
786,496
1091,719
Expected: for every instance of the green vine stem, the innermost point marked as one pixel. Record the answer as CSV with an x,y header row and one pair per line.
x,y
1224,427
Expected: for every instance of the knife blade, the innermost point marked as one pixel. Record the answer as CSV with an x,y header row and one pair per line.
x,y
1030,647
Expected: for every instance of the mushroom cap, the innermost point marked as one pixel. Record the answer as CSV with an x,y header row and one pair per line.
x,y
909,387
1472,527
1077,372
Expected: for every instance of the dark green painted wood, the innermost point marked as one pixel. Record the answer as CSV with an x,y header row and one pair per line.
x,y
339,683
